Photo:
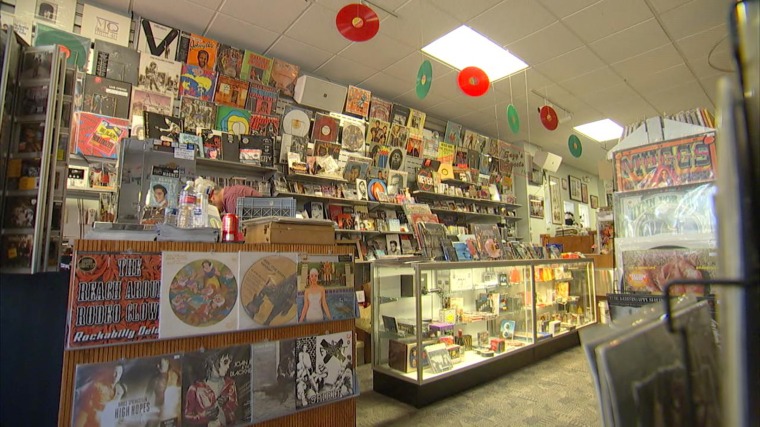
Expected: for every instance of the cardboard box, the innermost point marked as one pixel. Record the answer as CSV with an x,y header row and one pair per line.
x,y
289,232
402,354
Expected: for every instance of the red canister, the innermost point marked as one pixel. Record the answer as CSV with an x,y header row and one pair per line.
x,y
229,227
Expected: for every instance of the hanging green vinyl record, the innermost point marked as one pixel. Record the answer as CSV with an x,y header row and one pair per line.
x,y
575,146
513,118
424,79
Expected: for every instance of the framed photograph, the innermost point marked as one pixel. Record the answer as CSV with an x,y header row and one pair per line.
x,y
564,184
594,202
536,207
575,188
555,198
584,193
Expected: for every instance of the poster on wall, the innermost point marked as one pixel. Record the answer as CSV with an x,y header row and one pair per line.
x,y
324,369
647,271
536,204
268,286
555,199
114,298
200,293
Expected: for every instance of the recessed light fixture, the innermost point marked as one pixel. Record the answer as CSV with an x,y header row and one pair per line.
x,y
464,47
602,130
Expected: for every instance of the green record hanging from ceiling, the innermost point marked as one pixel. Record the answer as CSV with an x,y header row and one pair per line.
x,y
575,146
424,79
513,119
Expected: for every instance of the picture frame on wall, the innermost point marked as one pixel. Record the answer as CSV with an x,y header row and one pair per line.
x,y
594,202
536,207
575,188
584,193
564,184
555,198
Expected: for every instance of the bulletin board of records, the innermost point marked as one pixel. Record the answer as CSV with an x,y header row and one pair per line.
x,y
238,343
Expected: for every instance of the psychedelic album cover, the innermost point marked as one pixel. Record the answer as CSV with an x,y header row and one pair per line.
x,y
229,60
262,99
159,75
357,101
378,131
416,121
399,115
256,68
649,270
133,392
106,97
198,50
233,120
263,125
113,298
216,387
453,134
380,109
341,305
324,369
98,136
325,128
199,294
196,82
231,91
352,138
197,114
78,46
268,286
284,76
670,163
162,127
115,62
157,39
274,379
16,250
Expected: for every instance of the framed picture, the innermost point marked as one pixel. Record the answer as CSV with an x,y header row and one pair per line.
x,y
555,198
575,188
594,202
564,184
584,193
536,207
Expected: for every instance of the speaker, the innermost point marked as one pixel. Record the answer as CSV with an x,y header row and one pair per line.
x,y
546,160
320,94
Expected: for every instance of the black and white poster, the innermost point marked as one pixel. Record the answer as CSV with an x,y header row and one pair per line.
x,y
324,369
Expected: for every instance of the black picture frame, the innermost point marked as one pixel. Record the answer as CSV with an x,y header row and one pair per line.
x,y
574,188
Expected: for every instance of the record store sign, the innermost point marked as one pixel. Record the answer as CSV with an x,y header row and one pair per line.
x,y
680,161
114,298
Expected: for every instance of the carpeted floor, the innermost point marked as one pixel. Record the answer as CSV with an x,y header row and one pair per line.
x,y
557,391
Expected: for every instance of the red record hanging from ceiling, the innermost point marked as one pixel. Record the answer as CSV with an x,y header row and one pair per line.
x,y
548,117
473,81
357,22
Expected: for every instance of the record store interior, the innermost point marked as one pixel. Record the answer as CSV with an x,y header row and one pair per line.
x,y
379,212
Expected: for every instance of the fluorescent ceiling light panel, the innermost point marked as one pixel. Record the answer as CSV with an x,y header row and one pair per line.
x,y
602,130
464,48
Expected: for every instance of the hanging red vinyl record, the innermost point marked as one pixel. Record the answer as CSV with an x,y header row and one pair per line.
x,y
473,81
549,117
357,22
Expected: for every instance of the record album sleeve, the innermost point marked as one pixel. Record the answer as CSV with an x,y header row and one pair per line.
x,y
378,131
358,101
399,115
231,91
162,127
263,125
233,120
324,369
256,68
268,287
230,147
352,137
106,97
103,25
274,379
78,46
157,39
262,99
197,82
98,136
283,77
229,60
325,128
296,121
197,114
116,62
201,51
416,121
380,109
158,74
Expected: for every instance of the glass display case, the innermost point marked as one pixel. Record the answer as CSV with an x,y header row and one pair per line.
x,y
472,318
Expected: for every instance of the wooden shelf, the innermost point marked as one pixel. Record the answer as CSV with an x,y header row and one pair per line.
x,y
333,200
307,177
237,166
431,195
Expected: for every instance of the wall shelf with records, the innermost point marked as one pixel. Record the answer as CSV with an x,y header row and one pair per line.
x,y
432,195
331,200
216,164
315,178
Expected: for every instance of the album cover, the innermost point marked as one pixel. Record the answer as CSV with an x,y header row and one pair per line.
x,y
325,128
200,294
379,155
268,289
257,150
103,25
157,39
396,158
439,358
132,392
378,131
163,127
357,101
32,100
231,91
380,109
647,271
106,97
398,136
453,134
416,121
324,273
57,13
143,101
78,46
324,369
433,239
414,145
399,115
115,62
230,146
263,125
212,146
198,50
256,68
159,75
196,82
296,121
21,212
355,168
293,145
197,114
36,64
473,162
397,182
164,187
324,148
284,76
216,386
488,239
98,136
274,379
352,138
262,99
233,120
229,60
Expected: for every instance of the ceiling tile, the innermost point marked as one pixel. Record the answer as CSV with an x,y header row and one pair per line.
x,y
450,110
307,57
512,20
683,97
547,43
378,53
379,6
344,71
711,86
694,17
570,65
263,14
194,18
210,4
241,34
563,8
654,82
410,99
463,11
607,17
700,44
632,41
703,69
418,24
409,66
381,84
594,80
317,16
445,84
521,82
650,62
662,6
602,98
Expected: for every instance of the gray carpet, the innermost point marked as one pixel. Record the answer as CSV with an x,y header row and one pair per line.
x,y
557,391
